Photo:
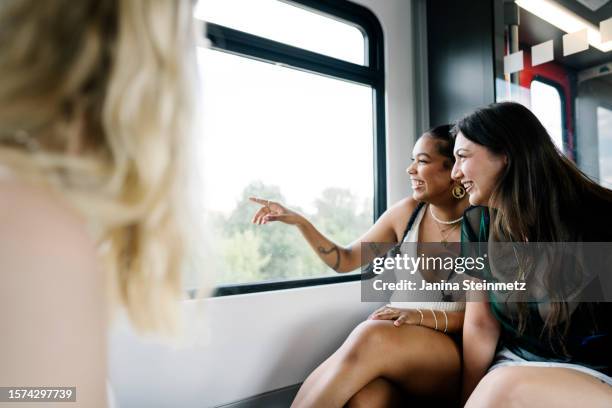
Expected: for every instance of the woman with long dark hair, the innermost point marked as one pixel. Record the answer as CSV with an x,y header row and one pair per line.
x,y
551,353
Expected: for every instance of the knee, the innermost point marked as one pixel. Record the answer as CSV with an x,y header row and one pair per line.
x,y
500,388
367,338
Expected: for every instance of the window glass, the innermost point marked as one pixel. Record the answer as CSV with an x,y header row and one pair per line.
x,y
289,24
288,135
546,105
604,127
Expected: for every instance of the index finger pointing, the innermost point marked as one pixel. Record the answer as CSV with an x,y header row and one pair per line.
x,y
259,200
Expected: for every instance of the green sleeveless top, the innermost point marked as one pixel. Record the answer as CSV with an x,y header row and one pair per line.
x,y
588,341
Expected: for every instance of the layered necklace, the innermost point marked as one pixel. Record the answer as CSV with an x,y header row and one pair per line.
x,y
445,228
445,232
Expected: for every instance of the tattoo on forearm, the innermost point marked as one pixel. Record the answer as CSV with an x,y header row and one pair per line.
x,y
335,249
375,248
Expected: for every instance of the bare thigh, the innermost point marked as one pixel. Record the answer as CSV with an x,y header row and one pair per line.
x,y
540,387
418,360
421,361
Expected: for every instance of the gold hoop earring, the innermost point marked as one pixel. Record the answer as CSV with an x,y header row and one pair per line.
x,y
458,191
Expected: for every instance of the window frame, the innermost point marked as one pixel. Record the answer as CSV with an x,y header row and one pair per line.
x,y
569,153
247,45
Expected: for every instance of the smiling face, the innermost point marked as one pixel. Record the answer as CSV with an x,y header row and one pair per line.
x,y
477,169
429,171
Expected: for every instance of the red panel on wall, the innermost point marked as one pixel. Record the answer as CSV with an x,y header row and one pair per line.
x,y
552,71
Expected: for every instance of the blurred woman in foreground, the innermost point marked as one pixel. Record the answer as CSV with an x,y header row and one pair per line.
x,y
95,109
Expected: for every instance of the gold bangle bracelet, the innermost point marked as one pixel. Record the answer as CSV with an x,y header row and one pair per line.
x,y
445,321
435,318
421,313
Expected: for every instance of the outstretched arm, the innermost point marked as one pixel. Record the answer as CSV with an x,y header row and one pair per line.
x,y
340,258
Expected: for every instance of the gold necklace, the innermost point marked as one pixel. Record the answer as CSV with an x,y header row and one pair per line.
x,y
439,221
444,240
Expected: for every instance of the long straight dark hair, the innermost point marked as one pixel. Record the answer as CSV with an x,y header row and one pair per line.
x,y
541,196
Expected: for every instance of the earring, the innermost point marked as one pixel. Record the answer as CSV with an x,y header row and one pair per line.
x,y
458,191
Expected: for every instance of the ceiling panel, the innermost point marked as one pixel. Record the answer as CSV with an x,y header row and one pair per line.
x,y
534,30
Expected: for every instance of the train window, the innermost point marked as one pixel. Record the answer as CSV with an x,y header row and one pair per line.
x,y
288,124
546,105
604,126
563,89
286,23
287,135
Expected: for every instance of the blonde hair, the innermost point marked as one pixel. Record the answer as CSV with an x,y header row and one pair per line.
x,y
96,102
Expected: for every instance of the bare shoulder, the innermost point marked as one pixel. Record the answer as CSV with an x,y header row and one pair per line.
x,y
42,237
35,215
40,232
406,204
402,210
399,214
